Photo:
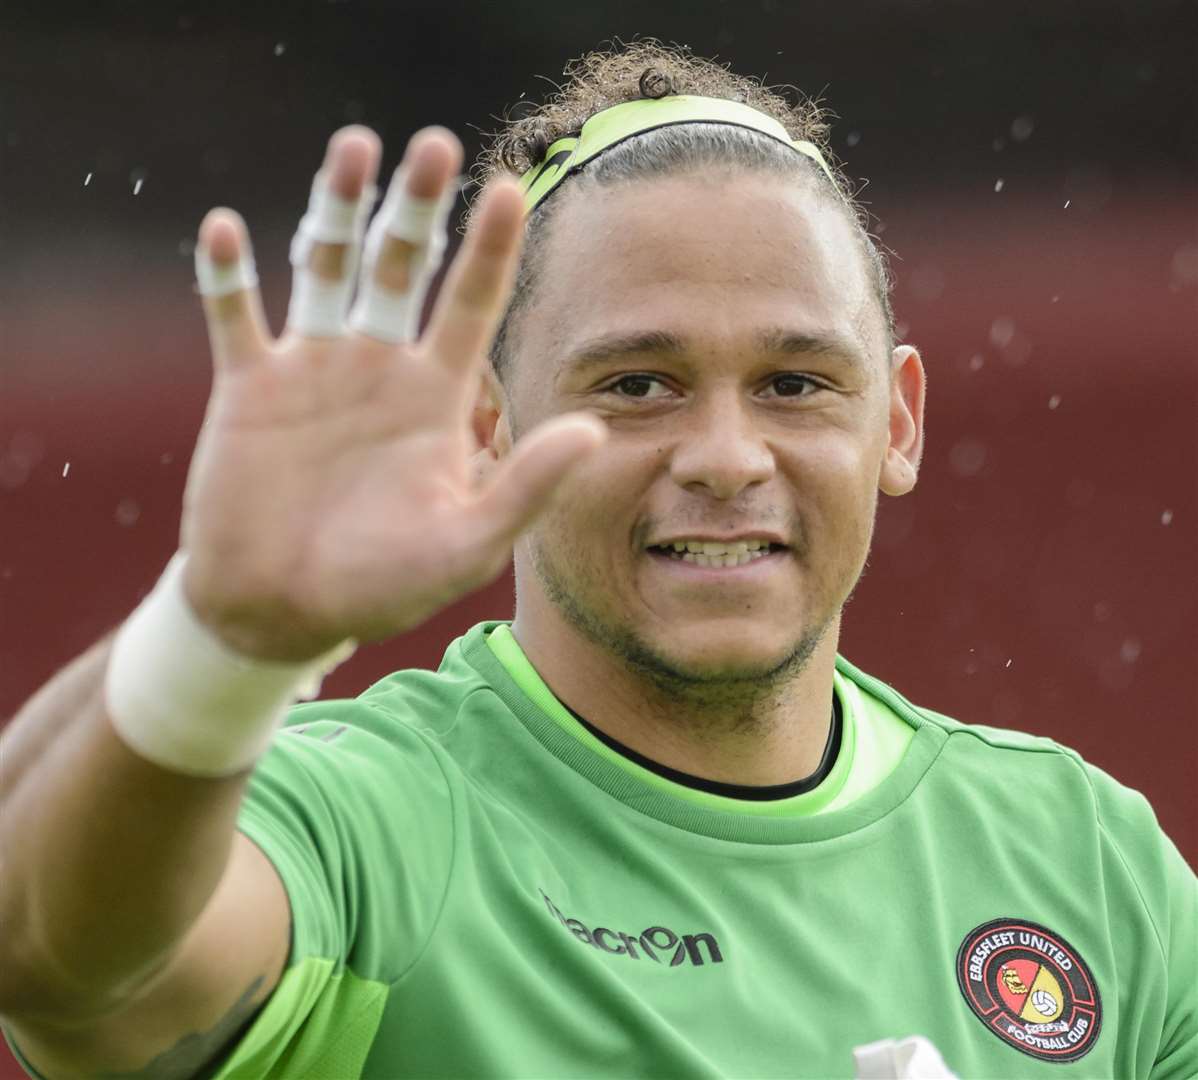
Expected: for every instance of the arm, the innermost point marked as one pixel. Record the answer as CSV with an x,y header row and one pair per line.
x,y
139,931
145,891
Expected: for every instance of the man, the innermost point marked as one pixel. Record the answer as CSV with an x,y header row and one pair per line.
x,y
653,827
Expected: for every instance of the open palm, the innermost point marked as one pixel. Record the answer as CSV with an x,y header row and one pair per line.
x,y
333,493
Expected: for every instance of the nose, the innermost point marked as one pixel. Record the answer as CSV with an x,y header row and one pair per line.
x,y
721,451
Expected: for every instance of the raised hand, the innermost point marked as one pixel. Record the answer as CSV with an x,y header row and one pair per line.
x,y
331,494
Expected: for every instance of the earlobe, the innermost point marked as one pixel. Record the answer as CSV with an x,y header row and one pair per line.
x,y
900,467
489,423
488,417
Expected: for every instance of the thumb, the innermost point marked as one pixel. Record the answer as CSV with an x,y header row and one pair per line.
x,y
522,486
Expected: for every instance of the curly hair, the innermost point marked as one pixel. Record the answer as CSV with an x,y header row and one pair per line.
x,y
646,68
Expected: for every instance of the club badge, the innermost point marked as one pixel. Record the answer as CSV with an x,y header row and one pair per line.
x,y
1031,988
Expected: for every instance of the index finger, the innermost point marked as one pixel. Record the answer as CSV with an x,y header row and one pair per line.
x,y
479,282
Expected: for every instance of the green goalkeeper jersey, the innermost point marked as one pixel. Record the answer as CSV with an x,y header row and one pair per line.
x,y
481,888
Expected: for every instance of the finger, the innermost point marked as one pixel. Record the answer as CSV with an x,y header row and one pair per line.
x,y
525,482
228,283
406,240
324,250
479,282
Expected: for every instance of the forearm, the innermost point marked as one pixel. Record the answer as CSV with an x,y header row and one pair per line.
x,y
107,860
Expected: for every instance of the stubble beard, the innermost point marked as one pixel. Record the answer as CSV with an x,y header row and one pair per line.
x,y
724,699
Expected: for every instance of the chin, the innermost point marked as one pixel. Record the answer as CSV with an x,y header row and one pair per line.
x,y
717,657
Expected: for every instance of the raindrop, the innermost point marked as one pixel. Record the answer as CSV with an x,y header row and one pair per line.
x,y
1166,517
1002,331
166,459
66,468
1129,651
853,138
998,144
1055,298
13,471
1009,662
1102,611
1066,206
280,48
998,184
976,362
137,187
87,179
967,457
1054,401
1185,264
127,512
187,246
1022,128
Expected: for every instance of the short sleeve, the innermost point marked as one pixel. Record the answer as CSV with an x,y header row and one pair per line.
x,y
353,809
1168,891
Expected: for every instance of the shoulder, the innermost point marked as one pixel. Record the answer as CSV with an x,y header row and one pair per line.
x,y
989,758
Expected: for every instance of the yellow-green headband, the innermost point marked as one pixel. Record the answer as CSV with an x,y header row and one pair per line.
x,y
603,130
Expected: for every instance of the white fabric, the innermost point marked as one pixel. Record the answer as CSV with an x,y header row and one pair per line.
x,y
383,313
318,304
178,696
913,1058
213,279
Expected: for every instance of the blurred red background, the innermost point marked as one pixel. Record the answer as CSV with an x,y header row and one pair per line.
x,y
1033,173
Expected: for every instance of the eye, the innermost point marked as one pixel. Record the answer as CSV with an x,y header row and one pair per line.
x,y
793,385
638,386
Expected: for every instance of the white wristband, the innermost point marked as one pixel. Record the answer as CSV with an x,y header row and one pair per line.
x,y
180,697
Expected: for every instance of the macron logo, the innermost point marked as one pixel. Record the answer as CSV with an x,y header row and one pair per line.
x,y
658,943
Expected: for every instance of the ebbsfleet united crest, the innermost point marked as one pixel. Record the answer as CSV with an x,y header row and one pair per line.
x,y
1031,988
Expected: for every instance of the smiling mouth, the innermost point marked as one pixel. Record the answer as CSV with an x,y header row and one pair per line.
x,y
707,553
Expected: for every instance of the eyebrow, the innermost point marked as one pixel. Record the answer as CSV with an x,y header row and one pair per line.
x,y
776,340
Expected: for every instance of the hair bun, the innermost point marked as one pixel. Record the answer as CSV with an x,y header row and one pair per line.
x,y
655,83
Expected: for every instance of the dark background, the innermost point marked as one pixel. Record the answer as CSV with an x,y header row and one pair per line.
x,y
1032,166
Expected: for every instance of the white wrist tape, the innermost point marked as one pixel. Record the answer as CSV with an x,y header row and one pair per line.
x,y
178,696
214,279
318,304
394,316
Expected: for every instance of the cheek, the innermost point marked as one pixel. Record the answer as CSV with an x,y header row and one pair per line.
x,y
597,508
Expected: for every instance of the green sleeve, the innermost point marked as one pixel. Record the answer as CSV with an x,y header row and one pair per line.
x,y
352,808
1168,891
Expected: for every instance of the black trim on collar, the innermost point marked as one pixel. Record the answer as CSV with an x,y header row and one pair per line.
x,y
752,792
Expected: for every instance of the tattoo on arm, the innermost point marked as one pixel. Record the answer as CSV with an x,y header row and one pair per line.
x,y
201,1054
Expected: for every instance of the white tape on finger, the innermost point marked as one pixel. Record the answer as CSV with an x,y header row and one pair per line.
x,y
318,304
384,313
223,279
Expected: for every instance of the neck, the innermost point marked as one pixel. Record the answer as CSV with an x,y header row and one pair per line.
x,y
754,732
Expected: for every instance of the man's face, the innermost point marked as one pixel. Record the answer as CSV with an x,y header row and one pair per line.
x,y
725,331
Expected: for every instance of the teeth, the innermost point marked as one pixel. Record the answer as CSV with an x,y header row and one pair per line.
x,y
741,558
711,553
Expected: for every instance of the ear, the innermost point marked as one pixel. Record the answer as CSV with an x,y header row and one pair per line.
x,y
490,425
900,467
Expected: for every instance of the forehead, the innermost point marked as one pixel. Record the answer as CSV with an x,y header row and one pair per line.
x,y
710,259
